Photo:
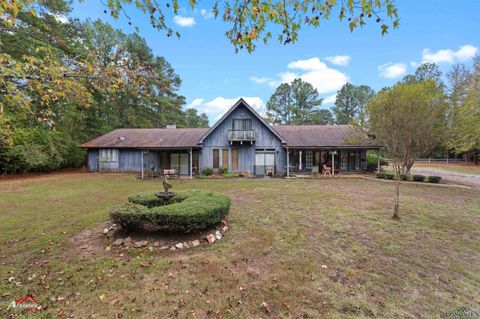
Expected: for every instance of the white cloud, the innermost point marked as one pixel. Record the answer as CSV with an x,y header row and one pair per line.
x,y
61,18
260,80
313,64
413,64
341,60
317,73
330,99
184,21
195,103
218,106
206,14
392,70
463,53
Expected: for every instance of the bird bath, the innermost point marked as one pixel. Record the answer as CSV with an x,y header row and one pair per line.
x,y
166,195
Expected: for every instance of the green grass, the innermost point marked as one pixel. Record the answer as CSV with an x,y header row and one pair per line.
x,y
452,168
308,248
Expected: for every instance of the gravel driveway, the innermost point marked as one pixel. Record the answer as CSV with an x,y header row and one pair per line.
x,y
465,179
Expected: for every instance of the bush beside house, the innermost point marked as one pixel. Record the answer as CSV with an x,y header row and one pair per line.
x,y
414,178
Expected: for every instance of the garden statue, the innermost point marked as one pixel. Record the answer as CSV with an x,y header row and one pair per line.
x,y
166,195
166,184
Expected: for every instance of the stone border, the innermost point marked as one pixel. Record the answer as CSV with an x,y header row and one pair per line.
x,y
127,243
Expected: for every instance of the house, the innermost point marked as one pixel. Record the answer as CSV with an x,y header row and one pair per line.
x,y
241,141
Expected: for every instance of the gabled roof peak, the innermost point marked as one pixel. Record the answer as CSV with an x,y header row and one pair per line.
x,y
241,101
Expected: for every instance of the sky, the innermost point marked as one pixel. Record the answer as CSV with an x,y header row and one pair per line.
x,y
214,76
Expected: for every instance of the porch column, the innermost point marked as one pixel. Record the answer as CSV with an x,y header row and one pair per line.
x,y
300,163
333,163
191,164
288,163
142,164
378,161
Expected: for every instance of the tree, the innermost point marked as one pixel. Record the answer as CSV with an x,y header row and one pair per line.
x,y
426,71
294,103
280,105
464,97
250,21
321,117
193,119
409,121
350,104
57,92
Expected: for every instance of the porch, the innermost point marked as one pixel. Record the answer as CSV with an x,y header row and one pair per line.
x,y
160,162
323,160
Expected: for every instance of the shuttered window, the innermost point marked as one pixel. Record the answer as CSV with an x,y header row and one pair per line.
x,y
234,152
225,158
216,158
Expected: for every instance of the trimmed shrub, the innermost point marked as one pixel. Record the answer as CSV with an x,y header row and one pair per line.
x,y
389,176
434,179
230,174
207,171
372,161
189,211
381,175
418,178
403,177
150,200
222,170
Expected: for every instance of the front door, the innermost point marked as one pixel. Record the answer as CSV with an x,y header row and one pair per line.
x,y
264,162
180,161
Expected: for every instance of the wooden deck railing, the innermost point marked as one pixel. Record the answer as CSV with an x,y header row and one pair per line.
x,y
241,135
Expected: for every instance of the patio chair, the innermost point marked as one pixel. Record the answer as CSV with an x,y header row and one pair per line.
x,y
269,171
170,172
327,170
315,170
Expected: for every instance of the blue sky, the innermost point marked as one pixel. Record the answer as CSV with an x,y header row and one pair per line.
x,y
214,76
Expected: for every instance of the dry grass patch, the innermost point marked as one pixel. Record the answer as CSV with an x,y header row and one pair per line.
x,y
295,248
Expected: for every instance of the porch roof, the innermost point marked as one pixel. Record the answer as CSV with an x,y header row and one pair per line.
x,y
164,138
324,137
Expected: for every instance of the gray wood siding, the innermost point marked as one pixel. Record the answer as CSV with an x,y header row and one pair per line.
x,y
264,138
129,160
92,160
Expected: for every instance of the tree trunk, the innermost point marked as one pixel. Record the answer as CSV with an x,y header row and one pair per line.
x,y
396,205
407,167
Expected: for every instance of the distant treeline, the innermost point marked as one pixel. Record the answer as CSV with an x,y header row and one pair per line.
x,y
66,82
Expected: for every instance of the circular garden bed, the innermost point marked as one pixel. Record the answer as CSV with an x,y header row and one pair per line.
x,y
189,211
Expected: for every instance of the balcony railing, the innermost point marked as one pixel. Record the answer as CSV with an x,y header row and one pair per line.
x,y
241,135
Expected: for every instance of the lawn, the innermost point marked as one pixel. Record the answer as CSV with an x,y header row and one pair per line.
x,y
452,168
323,248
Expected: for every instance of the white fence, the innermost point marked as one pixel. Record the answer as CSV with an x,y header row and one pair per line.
x,y
440,160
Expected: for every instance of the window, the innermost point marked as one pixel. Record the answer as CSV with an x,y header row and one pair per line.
x,y
357,160
180,162
225,158
108,155
308,159
242,124
344,161
216,158
234,153
264,162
